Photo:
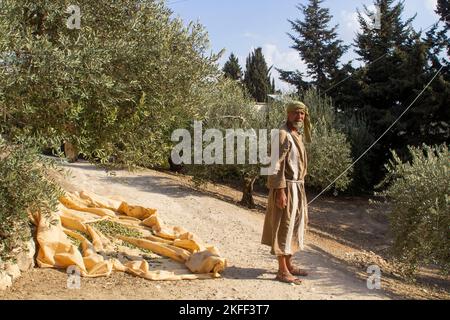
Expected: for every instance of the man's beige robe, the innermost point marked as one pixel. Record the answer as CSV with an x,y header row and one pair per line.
x,y
284,229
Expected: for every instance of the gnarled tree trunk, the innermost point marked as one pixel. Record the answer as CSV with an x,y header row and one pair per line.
x,y
175,167
247,192
71,152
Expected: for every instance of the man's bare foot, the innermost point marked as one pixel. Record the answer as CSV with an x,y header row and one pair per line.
x,y
287,277
298,272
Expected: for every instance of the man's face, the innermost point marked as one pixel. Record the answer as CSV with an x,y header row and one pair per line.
x,y
296,116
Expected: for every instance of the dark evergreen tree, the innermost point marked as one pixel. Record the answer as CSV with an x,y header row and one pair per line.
x,y
257,76
443,9
317,44
232,69
295,78
437,129
395,72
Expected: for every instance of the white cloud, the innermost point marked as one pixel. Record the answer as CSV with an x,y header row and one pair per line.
x,y
350,24
288,59
250,35
350,21
431,5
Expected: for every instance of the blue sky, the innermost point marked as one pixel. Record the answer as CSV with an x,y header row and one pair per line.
x,y
241,25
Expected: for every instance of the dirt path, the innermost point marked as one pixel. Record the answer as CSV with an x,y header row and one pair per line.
x,y
233,230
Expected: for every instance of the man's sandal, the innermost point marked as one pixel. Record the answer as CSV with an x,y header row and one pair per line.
x,y
284,277
298,272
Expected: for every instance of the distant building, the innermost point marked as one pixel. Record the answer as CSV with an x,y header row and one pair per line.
x,y
262,106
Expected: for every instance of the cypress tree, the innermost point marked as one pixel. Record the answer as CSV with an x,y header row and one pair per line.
x,y
443,9
257,76
395,73
232,69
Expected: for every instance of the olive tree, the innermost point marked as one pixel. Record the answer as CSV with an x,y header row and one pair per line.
x,y
114,88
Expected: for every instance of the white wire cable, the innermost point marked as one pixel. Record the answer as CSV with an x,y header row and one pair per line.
x,y
376,141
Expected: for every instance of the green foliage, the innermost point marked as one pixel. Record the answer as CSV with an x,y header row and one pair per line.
x,y
443,8
115,89
25,187
232,69
420,194
229,108
318,45
398,68
357,130
321,109
328,157
257,76
329,154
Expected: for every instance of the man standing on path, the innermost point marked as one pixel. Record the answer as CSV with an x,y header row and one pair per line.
x,y
287,212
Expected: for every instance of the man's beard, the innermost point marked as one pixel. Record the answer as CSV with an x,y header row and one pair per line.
x,y
297,125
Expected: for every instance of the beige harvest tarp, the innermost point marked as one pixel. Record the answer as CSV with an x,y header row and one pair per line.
x,y
96,253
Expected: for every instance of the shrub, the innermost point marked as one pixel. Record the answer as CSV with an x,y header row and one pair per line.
x,y
329,155
113,90
229,107
420,218
356,128
24,186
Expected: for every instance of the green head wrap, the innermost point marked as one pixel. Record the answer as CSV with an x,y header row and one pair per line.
x,y
297,105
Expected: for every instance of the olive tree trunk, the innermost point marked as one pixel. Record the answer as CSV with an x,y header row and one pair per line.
x,y
71,152
247,192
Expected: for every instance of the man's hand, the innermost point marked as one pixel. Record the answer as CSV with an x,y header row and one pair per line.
x,y
281,199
